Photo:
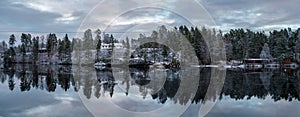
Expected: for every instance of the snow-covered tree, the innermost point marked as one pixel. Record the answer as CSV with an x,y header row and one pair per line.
x,y
88,40
35,48
265,53
12,40
98,39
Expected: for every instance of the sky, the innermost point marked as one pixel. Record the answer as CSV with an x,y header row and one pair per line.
x,y
41,17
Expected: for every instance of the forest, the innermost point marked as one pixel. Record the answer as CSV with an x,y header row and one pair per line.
x,y
237,44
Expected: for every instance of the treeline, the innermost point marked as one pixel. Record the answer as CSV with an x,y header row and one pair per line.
x,y
27,51
32,49
242,43
209,45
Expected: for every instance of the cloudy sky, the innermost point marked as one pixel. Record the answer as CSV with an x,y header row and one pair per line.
x,y
40,17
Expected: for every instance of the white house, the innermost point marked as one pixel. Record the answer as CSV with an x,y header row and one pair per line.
x,y
109,46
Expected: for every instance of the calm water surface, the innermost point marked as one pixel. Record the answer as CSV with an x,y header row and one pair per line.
x,y
72,91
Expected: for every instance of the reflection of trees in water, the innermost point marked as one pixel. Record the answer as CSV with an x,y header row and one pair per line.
x,y
172,84
159,84
203,85
170,87
25,77
106,80
173,87
277,84
11,81
285,87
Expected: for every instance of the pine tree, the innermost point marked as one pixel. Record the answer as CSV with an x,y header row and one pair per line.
x,y
127,46
280,48
61,47
67,50
112,42
127,43
98,39
11,51
12,40
88,40
23,46
49,44
35,48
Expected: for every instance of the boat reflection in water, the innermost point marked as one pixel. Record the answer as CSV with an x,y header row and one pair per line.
x,y
148,89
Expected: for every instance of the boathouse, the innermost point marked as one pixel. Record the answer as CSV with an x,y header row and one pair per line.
x,y
256,63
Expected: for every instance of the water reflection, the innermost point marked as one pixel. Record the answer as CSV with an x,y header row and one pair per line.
x,y
161,85
276,84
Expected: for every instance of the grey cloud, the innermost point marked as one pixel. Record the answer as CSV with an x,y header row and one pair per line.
x,y
271,12
17,18
227,14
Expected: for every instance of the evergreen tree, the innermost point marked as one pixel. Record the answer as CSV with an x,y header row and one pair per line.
x,y
77,48
12,40
67,44
297,41
127,46
98,39
88,39
265,53
35,48
280,45
65,50
127,43
61,48
24,43
112,42
11,51
51,44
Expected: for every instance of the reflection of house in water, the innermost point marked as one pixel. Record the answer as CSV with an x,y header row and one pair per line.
x,y
106,79
140,76
161,85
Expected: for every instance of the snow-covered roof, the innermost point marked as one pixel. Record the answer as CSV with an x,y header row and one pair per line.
x,y
256,59
28,53
42,48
